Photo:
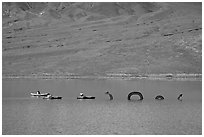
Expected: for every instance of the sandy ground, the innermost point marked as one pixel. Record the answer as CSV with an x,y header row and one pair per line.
x,y
167,40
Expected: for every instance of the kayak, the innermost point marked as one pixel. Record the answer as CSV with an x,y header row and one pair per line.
x,y
41,94
85,97
53,97
56,97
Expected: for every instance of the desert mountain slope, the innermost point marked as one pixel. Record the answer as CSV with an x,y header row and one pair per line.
x,y
97,39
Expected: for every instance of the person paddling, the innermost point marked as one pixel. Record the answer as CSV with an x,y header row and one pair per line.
x,y
82,94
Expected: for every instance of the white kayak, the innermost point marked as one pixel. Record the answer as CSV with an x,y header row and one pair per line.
x,y
41,94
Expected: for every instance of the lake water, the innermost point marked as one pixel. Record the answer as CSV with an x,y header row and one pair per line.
x,y
23,114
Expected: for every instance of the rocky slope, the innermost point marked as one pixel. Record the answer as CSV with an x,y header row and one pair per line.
x,y
101,39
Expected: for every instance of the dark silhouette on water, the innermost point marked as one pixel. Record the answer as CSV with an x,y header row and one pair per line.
x,y
159,97
110,95
85,97
180,97
52,97
135,93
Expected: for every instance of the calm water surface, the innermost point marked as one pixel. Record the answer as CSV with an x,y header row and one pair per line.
x,y
22,114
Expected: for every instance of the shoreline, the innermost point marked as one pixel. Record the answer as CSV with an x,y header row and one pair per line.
x,y
120,76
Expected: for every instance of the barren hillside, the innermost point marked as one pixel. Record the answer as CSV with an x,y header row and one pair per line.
x,y
99,39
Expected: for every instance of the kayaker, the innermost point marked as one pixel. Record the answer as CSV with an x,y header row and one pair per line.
x,y
49,96
82,94
38,92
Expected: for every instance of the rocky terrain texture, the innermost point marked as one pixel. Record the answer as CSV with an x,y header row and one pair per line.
x,y
101,39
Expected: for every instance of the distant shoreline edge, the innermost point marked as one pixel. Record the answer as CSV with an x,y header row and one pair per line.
x,y
122,76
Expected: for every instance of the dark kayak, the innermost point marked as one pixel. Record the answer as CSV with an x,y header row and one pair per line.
x,y
56,97
53,97
85,97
